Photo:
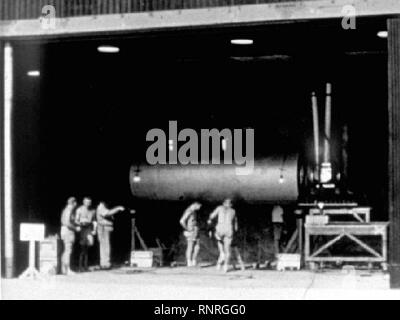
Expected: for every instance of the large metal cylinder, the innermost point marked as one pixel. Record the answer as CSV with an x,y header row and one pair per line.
x,y
273,179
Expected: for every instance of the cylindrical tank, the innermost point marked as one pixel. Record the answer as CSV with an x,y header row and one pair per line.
x,y
272,179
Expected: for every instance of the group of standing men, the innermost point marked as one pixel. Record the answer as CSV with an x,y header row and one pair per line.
x,y
226,227
86,222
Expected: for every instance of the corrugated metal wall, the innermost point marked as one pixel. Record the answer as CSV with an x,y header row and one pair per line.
x,y
394,150
31,9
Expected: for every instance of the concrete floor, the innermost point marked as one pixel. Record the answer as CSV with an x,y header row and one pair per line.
x,y
204,283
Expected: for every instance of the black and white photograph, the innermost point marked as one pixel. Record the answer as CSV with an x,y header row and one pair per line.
x,y
200,150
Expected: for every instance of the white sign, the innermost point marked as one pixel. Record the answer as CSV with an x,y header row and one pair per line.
x,y
31,232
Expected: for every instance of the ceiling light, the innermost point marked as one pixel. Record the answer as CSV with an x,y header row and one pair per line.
x,y
33,73
242,41
382,34
136,177
108,49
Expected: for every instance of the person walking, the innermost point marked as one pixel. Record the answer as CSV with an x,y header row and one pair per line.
x,y
225,229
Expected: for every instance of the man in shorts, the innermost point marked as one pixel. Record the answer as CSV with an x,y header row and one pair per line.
x,y
189,222
68,229
225,229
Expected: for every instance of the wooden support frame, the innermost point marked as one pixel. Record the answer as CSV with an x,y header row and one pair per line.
x,y
350,231
360,214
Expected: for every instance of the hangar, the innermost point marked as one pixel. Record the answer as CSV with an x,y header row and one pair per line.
x,y
85,82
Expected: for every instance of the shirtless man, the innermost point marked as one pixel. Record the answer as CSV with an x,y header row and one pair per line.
x,y
226,227
189,222
68,229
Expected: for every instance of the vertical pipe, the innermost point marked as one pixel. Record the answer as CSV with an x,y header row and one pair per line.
x,y
394,150
2,194
328,103
316,128
8,216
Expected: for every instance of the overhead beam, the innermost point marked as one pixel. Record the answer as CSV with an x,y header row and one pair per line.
x,y
281,11
394,150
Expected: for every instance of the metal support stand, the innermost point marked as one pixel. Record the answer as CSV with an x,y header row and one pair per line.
x,y
135,233
351,231
31,272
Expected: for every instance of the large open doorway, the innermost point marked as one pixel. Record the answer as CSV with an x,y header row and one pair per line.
x,y
80,125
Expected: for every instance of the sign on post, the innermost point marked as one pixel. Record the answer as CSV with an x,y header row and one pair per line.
x,y
31,232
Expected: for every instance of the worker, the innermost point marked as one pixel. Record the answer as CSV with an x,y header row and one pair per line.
x,y
277,222
105,226
84,218
225,229
68,229
189,222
